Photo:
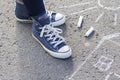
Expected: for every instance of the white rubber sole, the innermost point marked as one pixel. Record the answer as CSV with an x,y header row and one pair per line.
x,y
54,54
57,23
24,20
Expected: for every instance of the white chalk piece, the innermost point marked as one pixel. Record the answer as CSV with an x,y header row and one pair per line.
x,y
80,21
89,32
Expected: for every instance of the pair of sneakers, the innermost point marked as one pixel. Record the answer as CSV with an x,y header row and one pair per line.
x,y
44,32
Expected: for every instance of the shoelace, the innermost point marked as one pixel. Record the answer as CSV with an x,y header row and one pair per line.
x,y
52,35
49,14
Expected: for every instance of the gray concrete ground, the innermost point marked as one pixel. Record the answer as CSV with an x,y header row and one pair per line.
x,y
96,58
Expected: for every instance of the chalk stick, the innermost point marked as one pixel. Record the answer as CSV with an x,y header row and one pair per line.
x,y
80,21
89,32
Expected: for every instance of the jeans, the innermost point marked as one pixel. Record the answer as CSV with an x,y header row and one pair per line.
x,y
34,7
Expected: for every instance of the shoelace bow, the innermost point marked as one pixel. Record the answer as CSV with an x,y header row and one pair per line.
x,y
52,34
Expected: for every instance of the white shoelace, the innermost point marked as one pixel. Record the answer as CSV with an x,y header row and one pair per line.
x,y
50,14
52,34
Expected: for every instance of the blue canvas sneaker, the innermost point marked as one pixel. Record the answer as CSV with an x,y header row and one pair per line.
x,y
49,37
21,13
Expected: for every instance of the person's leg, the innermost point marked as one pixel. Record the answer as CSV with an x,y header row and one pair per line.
x,y
37,7
23,16
43,31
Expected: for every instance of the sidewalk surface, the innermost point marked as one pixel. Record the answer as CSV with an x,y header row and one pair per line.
x,y
96,58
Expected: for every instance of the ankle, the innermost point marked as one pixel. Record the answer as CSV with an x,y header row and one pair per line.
x,y
42,19
40,16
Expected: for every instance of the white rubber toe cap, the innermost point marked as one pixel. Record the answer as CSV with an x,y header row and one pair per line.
x,y
59,20
64,49
59,16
